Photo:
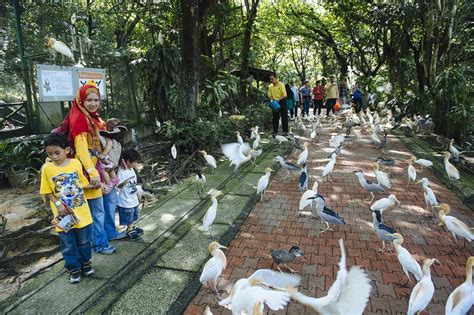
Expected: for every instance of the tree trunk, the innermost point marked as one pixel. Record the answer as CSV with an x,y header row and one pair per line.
x,y
251,14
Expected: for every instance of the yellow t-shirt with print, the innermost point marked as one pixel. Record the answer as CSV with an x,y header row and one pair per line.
x,y
65,183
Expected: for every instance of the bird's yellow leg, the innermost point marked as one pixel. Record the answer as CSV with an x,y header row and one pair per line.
x,y
291,270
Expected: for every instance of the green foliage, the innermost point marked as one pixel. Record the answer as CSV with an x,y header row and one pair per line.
x,y
27,154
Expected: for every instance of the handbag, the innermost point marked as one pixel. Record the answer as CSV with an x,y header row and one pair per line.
x,y
289,103
274,105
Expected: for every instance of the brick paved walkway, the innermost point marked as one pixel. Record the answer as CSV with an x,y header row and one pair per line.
x,y
274,223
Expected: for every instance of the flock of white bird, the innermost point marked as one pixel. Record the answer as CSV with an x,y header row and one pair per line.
x,y
350,291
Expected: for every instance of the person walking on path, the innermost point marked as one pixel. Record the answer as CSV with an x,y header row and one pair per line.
x,y
82,126
306,93
296,99
342,86
318,96
277,92
332,94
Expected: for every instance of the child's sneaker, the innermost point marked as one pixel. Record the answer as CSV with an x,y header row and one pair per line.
x,y
75,276
133,235
107,250
87,270
139,230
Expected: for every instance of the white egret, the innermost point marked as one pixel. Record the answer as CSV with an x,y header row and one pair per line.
x,y
411,172
60,47
263,182
210,160
303,157
305,201
382,178
422,162
461,299
213,267
453,224
408,263
327,171
349,294
454,151
211,212
423,291
281,139
430,198
452,171
174,152
235,153
256,142
384,204
239,137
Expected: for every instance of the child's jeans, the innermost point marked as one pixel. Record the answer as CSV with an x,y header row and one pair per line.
x,y
76,247
127,215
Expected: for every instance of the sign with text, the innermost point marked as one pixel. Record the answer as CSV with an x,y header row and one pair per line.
x,y
56,83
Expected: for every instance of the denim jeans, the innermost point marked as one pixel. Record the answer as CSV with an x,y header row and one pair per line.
x,y
128,215
99,238
75,246
110,204
306,103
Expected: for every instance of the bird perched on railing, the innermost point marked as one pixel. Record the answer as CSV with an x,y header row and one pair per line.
x,y
263,182
304,178
368,185
281,256
58,46
408,263
461,299
286,165
214,267
382,178
210,160
326,214
200,183
423,291
451,170
453,224
349,293
430,198
382,231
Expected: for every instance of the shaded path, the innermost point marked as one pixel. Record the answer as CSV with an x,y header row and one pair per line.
x,y
274,223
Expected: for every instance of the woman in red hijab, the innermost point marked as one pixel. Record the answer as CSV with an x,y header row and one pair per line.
x,y
82,125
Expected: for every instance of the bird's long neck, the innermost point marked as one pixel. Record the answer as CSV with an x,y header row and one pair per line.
x,y
214,200
469,274
219,254
309,301
426,272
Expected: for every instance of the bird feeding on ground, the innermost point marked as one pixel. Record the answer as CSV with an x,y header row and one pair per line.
x,y
263,182
304,178
385,204
383,231
214,267
327,171
326,214
408,263
368,185
452,171
281,256
211,213
60,47
174,152
266,277
210,160
349,294
303,157
430,198
200,183
423,291
454,225
286,165
382,178
461,299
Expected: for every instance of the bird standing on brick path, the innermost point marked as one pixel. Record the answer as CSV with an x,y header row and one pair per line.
x,y
326,214
454,225
422,162
383,231
368,185
281,256
327,171
386,162
305,198
409,264
452,171
303,157
214,267
263,182
461,299
423,291
411,172
348,294
382,178
286,165
211,213
295,142
430,198
304,178
384,204
267,277
200,182
383,143
210,160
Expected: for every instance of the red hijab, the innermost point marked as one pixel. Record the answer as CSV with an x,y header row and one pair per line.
x,y
79,120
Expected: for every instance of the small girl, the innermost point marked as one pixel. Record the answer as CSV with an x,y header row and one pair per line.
x,y
112,140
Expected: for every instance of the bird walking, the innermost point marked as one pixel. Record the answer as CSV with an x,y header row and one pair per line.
x,y
286,165
408,263
263,182
430,198
304,178
461,299
451,170
349,294
211,213
453,224
214,267
423,291
382,231
326,214
210,160
327,171
368,185
281,256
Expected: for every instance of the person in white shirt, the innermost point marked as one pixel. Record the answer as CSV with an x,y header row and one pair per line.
x,y
128,202
296,98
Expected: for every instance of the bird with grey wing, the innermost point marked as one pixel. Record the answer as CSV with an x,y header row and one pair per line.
x,y
326,214
135,140
384,232
200,183
386,162
337,151
368,185
304,178
286,165
383,143
281,256
295,142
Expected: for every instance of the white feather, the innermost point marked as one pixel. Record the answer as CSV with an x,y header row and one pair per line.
x,y
174,152
210,215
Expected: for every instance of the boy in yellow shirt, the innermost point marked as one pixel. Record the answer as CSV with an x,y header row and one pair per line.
x,y
63,183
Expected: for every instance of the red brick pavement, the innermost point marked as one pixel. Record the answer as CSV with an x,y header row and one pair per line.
x,y
274,223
